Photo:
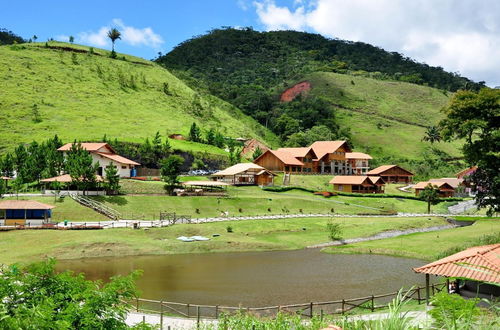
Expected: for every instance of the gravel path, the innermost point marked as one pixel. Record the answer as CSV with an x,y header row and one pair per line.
x,y
462,207
385,234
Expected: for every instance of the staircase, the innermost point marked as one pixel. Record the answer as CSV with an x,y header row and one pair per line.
x,y
97,206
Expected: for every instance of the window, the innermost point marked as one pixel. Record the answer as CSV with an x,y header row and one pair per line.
x,y
124,166
340,187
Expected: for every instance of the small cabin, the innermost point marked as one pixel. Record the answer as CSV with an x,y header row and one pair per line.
x,y
22,212
445,189
245,174
392,174
358,184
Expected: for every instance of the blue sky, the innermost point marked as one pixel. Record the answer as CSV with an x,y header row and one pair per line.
x,y
459,35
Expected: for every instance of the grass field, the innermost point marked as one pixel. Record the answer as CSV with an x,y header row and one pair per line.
x,y
129,100
390,114
423,245
254,201
251,235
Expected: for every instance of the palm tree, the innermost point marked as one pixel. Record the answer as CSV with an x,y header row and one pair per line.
x,y
432,135
114,34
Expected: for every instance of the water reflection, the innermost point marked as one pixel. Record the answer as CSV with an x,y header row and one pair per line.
x,y
257,278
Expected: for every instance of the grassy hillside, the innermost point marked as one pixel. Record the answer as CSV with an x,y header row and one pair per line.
x,y
80,94
386,118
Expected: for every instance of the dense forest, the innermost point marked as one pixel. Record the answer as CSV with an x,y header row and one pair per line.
x,y
8,37
249,68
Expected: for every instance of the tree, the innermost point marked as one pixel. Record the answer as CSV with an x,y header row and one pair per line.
x,y
34,37
219,140
170,170
234,153
7,166
257,152
474,116
114,35
432,134
194,133
80,168
20,159
62,300
210,137
430,194
112,183
71,39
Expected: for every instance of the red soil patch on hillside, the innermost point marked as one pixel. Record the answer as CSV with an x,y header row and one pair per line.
x,y
292,92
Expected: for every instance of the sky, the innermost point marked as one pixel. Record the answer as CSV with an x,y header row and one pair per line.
x,y
461,36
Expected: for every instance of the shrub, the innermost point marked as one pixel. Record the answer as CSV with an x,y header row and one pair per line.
x,y
229,229
451,310
334,230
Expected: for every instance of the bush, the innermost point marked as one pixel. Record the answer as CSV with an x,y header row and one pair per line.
x,y
451,310
229,229
334,230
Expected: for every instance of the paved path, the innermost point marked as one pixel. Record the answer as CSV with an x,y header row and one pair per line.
x,y
382,235
462,207
164,223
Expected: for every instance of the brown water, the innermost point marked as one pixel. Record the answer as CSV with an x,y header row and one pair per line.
x,y
257,278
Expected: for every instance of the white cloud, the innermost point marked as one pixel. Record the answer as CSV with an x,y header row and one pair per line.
x,y
129,35
461,36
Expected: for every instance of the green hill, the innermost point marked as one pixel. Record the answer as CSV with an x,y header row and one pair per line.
x,y
386,118
80,93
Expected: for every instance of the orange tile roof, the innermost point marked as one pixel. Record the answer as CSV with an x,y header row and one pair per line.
x,y
118,158
349,179
24,205
296,152
454,182
5,178
381,169
89,146
480,263
286,157
321,148
466,172
376,180
239,168
66,178
357,155
440,184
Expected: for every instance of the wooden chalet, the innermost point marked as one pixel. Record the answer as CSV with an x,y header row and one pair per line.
x,y
282,161
245,174
358,184
359,162
249,147
457,184
445,189
331,157
304,155
392,174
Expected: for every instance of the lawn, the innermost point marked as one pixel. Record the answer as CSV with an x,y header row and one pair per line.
x,y
254,201
249,235
423,245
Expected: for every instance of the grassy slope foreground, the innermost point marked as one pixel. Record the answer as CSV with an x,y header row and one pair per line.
x,y
84,96
386,118
250,235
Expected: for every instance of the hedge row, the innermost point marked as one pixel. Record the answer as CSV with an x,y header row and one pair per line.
x,y
283,189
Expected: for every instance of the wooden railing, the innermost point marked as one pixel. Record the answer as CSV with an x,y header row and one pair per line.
x,y
309,310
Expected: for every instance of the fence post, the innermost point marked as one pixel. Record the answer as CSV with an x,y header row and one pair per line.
x,y
373,303
427,289
343,304
321,314
197,317
161,315
216,312
418,295
136,304
311,307
187,310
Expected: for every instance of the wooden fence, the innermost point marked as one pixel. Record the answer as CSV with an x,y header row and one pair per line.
x,y
308,310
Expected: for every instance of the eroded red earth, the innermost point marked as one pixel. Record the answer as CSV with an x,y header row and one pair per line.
x,y
292,92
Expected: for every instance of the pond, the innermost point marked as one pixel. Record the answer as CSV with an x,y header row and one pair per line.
x,y
257,278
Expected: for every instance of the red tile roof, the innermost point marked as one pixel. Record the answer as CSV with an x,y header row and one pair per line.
x,y
349,179
66,178
321,148
296,152
357,155
285,157
381,169
118,158
480,263
466,172
92,147
441,185
24,205
454,182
